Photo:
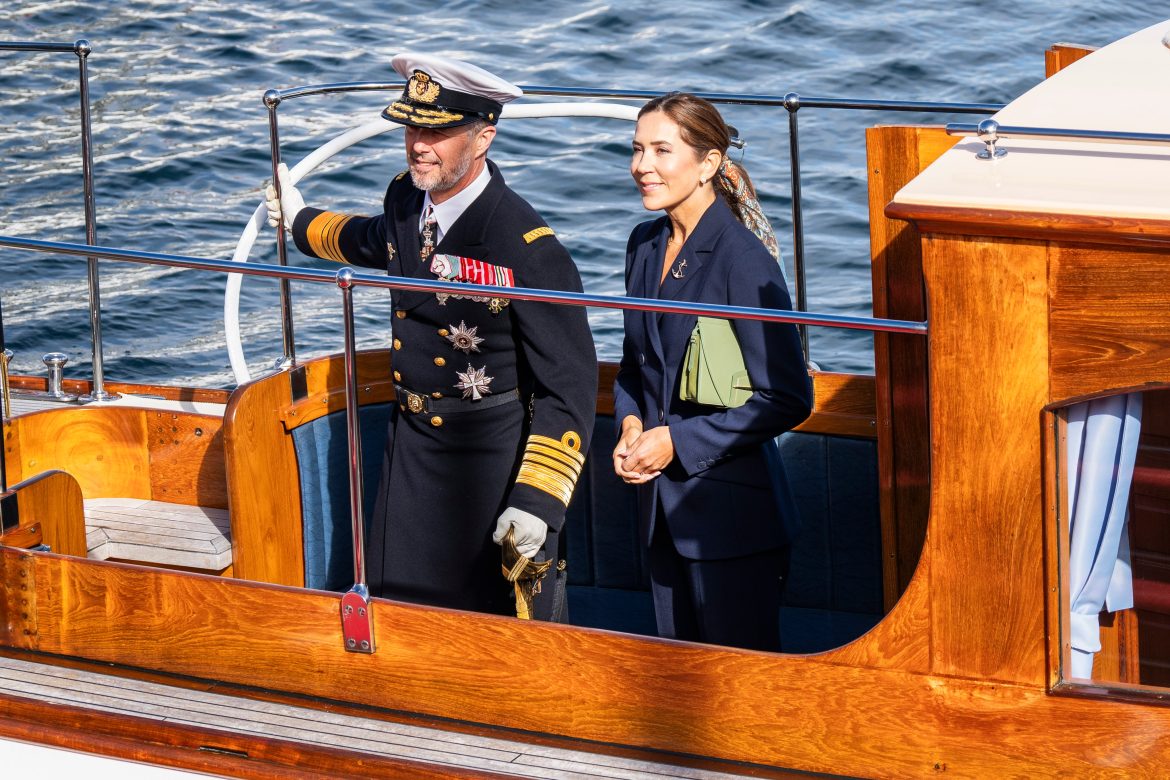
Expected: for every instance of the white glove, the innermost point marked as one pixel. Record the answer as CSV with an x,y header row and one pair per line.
x,y
290,196
530,530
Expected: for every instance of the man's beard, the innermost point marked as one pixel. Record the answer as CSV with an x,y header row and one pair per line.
x,y
443,177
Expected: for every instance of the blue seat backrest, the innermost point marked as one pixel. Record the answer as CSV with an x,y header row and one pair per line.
x,y
322,448
834,591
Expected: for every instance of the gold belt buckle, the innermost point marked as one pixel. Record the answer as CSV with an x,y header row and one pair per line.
x,y
415,403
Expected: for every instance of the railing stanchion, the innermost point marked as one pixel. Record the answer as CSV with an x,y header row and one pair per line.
x,y
289,358
98,390
792,104
5,397
357,622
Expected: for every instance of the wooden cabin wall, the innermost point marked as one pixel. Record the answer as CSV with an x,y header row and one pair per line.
x,y
123,452
1059,302
895,155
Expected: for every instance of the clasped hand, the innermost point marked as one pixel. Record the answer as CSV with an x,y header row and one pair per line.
x,y
640,455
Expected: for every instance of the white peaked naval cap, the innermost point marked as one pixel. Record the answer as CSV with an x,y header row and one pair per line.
x,y
442,92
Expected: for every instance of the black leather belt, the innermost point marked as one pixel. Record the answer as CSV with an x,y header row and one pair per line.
x,y
418,403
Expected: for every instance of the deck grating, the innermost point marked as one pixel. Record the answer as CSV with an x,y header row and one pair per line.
x,y
233,714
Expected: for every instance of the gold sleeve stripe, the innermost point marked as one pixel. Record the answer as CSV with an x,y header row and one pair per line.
x,y
567,447
557,487
323,233
550,459
532,235
552,466
537,460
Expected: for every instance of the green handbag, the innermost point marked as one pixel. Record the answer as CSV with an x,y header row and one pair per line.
x,y
713,372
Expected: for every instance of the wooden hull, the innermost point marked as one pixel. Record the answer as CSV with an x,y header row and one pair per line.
x,y
871,709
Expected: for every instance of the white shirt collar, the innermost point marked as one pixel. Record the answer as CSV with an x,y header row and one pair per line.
x,y
449,210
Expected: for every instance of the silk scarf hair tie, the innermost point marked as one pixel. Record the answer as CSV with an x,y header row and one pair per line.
x,y
748,207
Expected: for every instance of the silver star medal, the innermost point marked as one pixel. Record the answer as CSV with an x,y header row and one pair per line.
x,y
464,338
473,384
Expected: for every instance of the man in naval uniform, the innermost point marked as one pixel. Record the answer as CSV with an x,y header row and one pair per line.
x,y
495,397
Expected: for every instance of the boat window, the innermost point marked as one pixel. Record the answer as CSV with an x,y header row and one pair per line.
x,y
1112,497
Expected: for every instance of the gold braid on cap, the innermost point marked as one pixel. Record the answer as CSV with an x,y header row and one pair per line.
x,y
423,116
323,234
552,466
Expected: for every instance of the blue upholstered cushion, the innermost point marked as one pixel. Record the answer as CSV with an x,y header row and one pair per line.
x,y
322,459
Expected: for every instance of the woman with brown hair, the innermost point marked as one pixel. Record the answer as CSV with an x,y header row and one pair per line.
x,y
714,507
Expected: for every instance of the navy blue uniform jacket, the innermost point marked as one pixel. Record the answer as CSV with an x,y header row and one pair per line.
x,y
448,474
725,493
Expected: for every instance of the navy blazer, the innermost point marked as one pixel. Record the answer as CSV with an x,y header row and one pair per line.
x,y
725,494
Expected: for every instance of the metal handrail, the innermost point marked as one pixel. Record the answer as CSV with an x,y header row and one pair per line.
x,y
439,286
735,98
1056,134
792,102
82,49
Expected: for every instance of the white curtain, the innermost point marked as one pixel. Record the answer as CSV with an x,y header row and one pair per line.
x,y
1102,448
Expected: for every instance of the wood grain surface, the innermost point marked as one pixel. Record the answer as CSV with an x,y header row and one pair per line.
x,y
1060,55
51,501
811,713
895,155
988,351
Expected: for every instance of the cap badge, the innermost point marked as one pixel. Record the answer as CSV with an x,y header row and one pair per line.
x,y
422,89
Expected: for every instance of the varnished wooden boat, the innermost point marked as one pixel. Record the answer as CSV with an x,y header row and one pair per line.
x,y
963,670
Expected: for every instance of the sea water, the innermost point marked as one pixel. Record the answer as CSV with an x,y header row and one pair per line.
x,y
180,143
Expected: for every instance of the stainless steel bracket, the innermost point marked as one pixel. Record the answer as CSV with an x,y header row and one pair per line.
x,y
357,620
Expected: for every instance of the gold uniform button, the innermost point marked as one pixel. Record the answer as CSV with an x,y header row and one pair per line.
x,y
436,421
440,361
397,344
397,376
400,314
436,395
443,332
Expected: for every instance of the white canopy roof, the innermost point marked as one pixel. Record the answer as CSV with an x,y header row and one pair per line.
x,y
1122,87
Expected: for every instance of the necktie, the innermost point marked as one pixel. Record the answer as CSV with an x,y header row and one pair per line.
x,y
428,235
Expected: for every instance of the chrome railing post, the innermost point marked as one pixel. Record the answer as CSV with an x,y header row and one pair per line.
x,y
5,404
5,397
289,358
357,622
98,391
792,104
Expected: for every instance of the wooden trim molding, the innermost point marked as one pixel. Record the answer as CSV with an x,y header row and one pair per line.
x,y
1127,231
1060,55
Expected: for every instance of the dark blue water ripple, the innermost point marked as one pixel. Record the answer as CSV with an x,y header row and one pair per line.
x,y
181,141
